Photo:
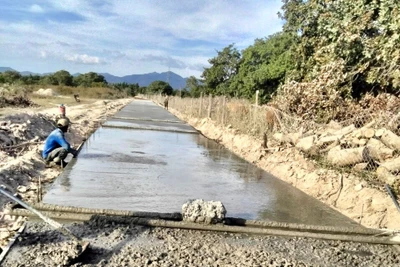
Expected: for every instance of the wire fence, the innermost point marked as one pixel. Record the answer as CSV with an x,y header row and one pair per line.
x,y
368,143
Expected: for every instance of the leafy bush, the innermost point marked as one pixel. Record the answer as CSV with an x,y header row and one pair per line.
x,y
364,35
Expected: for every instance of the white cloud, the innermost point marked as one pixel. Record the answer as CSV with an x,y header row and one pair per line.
x,y
84,59
36,9
179,34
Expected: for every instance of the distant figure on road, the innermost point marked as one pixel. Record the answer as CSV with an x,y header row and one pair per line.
x,y
77,99
56,148
166,102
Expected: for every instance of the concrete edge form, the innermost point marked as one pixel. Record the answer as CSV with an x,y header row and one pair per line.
x,y
56,209
387,239
150,129
145,119
374,236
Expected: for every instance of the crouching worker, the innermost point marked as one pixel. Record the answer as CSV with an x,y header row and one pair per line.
x,y
56,148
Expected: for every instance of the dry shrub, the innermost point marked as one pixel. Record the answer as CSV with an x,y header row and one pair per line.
x,y
90,92
382,102
15,96
16,101
64,90
320,100
237,108
325,98
11,90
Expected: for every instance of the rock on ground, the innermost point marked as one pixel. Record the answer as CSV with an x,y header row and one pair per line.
x,y
200,211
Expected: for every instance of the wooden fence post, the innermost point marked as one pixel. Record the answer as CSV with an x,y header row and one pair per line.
x,y
255,109
223,111
201,104
209,106
257,93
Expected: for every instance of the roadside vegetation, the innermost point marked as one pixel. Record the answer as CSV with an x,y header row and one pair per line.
x,y
329,62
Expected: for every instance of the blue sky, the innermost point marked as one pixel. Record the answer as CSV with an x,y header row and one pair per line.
x,y
124,37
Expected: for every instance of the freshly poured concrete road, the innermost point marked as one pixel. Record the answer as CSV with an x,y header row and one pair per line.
x,y
145,159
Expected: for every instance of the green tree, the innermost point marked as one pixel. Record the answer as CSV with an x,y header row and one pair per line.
x,y
2,80
185,93
30,79
264,66
160,87
11,76
90,79
223,67
193,86
142,90
63,77
48,80
131,89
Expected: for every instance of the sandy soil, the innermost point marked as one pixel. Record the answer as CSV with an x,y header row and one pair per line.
x,y
365,203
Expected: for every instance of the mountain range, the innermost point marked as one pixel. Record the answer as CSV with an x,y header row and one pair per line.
x,y
175,80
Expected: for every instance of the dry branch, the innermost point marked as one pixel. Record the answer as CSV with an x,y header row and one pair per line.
x,y
392,165
379,132
364,133
390,139
386,176
346,130
307,145
346,157
329,139
378,150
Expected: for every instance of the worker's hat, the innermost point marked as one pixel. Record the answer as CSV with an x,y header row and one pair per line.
x,y
63,122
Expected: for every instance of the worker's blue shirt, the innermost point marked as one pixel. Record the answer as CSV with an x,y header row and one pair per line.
x,y
55,140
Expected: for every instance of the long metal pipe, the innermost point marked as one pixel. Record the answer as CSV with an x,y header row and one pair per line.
x,y
388,240
175,216
356,229
373,236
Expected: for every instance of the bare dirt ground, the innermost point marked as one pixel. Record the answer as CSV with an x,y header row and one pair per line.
x,y
115,244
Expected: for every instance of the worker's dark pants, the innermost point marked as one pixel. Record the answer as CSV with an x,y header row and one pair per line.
x,y
57,155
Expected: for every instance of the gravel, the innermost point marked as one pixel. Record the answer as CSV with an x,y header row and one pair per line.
x,y
114,244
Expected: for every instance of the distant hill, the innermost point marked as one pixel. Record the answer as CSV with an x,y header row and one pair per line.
x,y
27,73
176,81
3,69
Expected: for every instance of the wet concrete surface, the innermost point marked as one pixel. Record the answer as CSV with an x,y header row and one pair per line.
x,y
149,125
146,110
144,170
